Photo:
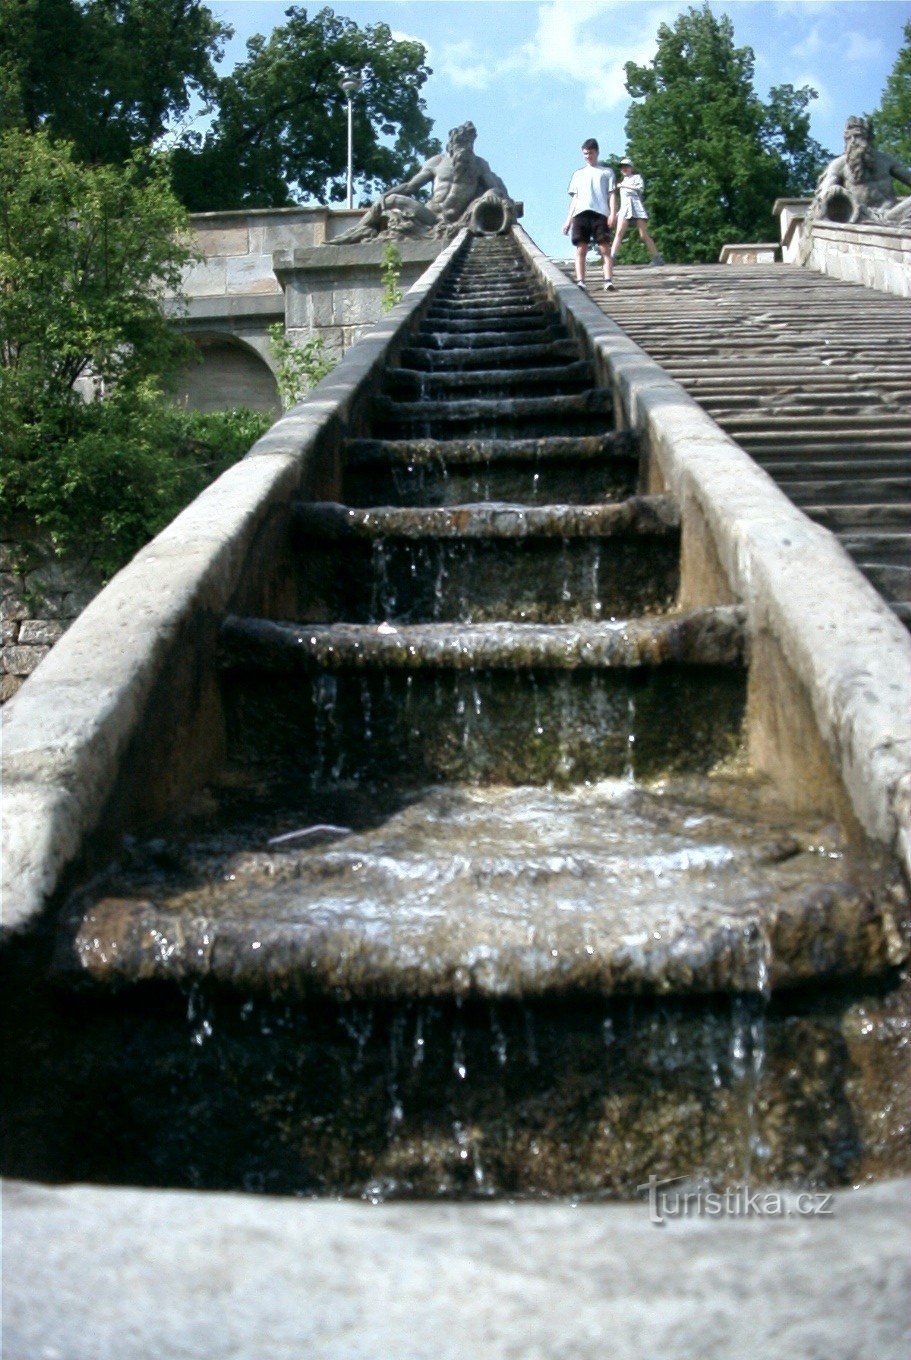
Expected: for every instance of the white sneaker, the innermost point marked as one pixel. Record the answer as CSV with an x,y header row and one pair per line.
x,y
581,284
608,285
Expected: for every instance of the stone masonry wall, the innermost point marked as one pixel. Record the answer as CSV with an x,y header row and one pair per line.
x,y
40,595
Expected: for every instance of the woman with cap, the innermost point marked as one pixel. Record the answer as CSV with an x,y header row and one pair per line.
x,y
632,209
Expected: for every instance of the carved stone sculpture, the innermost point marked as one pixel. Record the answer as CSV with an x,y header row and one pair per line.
x,y
857,187
466,193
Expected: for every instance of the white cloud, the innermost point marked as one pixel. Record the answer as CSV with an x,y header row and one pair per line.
x,y
822,104
463,66
588,42
861,48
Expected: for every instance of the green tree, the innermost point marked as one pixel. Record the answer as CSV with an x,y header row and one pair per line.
x,y
892,120
280,133
87,254
109,76
714,156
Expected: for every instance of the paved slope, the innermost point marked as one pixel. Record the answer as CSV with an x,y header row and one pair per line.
x,y
810,375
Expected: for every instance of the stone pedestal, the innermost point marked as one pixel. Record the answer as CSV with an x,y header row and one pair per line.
x,y
336,292
878,257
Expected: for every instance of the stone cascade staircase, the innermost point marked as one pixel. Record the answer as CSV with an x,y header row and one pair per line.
x,y
811,376
447,761
492,574
486,899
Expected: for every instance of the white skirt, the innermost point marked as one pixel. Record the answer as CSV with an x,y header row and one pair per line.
x,y
631,207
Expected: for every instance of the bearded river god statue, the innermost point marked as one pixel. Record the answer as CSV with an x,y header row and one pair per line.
x,y
466,193
857,187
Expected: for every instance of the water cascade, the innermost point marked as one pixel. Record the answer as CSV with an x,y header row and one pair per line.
x,y
486,899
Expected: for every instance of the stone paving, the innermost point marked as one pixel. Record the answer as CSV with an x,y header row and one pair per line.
x,y
810,375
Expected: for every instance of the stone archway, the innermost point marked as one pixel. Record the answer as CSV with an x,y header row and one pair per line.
x,y
228,373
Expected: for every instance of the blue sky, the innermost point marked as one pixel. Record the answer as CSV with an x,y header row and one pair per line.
x,y
537,78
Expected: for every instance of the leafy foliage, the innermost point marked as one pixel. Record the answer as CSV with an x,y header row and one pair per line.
x,y
300,367
85,256
107,75
281,127
892,120
714,156
120,472
390,274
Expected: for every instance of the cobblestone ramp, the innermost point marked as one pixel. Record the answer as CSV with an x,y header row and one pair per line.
x,y
810,375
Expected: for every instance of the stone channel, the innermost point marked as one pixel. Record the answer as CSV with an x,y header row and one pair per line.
x,y
486,898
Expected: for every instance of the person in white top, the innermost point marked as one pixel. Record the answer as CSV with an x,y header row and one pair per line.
x,y
592,212
632,209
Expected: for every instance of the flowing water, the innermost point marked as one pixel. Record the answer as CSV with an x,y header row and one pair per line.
x,y
486,900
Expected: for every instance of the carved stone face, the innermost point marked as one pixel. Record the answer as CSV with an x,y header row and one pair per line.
x,y
462,139
858,134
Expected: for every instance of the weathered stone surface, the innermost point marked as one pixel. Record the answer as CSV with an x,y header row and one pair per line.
x,y
22,660
42,631
646,515
10,685
551,1280
606,889
9,632
709,637
13,605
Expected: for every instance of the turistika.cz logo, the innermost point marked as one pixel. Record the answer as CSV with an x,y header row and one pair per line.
x,y
676,1197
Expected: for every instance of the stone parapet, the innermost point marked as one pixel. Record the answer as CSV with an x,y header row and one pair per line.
x,y
878,257
755,252
790,213
336,292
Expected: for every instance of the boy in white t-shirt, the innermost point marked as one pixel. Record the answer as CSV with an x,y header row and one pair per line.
x,y
592,212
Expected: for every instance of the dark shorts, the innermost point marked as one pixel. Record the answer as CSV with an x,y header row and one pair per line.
x,y
590,226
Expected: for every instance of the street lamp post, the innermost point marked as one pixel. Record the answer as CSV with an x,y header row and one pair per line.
x,y
350,83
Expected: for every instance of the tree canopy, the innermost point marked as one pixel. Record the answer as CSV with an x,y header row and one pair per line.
x,y
714,155
281,127
113,76
892,120
109,76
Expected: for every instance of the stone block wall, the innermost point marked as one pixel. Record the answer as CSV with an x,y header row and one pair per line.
x,y
878,257
40,595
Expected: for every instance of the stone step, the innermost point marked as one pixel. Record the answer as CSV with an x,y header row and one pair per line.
x,y
889,548
493,520
493,312
866,490
846,469
494,894
547,564
418,383
586,412
523,471
495,703
488,330
434,359
850,518
773,443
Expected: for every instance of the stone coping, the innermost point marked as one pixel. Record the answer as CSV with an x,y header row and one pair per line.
x,y
233,215
102,1273
341,257
839,636
66,731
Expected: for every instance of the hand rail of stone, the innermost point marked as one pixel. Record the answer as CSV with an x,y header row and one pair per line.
x,y
807,603
145,646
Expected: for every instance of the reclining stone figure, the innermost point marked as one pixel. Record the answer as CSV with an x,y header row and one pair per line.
x,y
466,192
857,186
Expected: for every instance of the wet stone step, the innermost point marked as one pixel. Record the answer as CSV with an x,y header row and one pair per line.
x,y
583,413
453,472
496,703
471,893
495,313
489,382
491,356
491,330
544,564
648,515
